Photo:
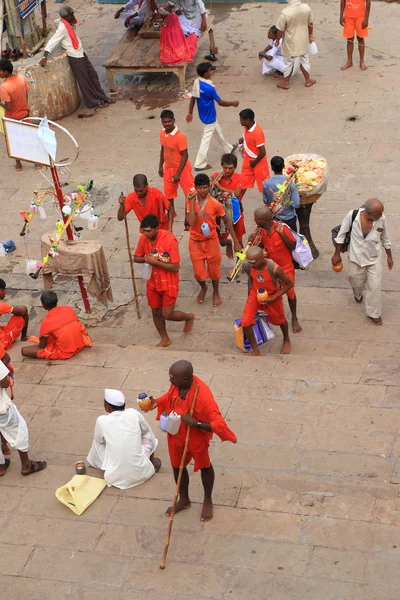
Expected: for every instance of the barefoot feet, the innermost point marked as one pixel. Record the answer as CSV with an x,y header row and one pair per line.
x,y
201,297
216,300
296,327
285,347
164,343
180,505
189,324
348,65
255,352
310,82
363,66
207,512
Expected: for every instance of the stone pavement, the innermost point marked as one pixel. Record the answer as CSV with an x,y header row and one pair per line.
x,y
307,503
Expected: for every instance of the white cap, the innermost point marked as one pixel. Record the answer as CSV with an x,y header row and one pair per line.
x,y
114,397
3,370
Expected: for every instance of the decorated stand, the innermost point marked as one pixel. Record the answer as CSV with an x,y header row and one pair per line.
x,y
311,181
32,140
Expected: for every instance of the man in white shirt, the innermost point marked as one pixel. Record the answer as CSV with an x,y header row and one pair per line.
x,y
192,16
295,25
84,71
14,430
123,445
368,233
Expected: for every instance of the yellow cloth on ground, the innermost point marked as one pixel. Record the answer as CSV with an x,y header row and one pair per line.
x,y
80,492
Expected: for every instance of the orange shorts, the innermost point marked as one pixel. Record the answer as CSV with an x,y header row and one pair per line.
x,y
201,459
158,299
206,259
353,25
274,310
10,333
258,175
186,181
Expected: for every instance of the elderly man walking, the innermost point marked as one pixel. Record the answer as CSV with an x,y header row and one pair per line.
x,y
368,233
84,71
295,26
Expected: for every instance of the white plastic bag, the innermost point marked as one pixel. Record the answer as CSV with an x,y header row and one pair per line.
x,y
312,48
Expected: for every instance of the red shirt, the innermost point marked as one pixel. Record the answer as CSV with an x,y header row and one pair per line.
x,y
211,209
62,327
155,204
14,89
263,280
354,8
173,143
161,280
277,251
253,139
233,184
206,410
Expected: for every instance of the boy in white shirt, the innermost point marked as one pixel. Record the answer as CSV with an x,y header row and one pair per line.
x,y
272,60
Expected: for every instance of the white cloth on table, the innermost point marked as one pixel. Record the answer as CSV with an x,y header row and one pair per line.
x,y
123,442
14,429
292,64
276,64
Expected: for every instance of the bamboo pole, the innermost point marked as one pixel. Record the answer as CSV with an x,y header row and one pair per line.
x,y
178,485
135,294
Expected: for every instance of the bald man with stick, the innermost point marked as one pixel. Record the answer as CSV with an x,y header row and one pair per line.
x,y
368,233
191,398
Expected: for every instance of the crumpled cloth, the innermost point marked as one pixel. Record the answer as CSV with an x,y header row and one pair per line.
x,y
84,258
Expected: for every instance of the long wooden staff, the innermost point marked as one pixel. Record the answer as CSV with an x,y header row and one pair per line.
x,y
178,485
135,294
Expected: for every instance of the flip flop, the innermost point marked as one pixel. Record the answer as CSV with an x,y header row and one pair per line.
x,y
211,57
41,464
206,168
234,148
7,463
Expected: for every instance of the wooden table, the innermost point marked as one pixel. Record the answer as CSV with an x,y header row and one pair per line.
x,y
142,55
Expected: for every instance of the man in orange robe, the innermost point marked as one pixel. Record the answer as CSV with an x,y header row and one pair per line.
x,y
206,420
278,241
255,168
61,333
145,200
202,211
16,326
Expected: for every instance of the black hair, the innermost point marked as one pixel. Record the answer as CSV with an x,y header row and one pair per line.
x,y
201,179
277,164
202,68
167,114
49,299
247,114
6,65
150,221
2,284
273,29
114,407
229,159
139,180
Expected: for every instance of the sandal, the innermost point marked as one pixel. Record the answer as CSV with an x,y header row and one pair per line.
x,y
211,57
206,168
7,463
40,464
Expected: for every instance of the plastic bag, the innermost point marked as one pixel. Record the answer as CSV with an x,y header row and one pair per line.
x,y
80,492
263,332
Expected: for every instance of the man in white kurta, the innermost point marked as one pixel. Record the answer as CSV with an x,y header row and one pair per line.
x,y
192,16
14,430
368,233
123,445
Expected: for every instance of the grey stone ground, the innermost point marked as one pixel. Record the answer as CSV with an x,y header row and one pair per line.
x,y
307,503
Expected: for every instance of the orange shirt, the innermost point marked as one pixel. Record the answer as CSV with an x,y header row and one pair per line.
x,y
155,204
210,211
173,143
263,280
253,139
14,89
5,309
161,280
277,251
206,410
233,184
354,8
64,330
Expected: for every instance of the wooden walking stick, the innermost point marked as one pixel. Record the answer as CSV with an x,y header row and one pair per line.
x,y
178,485
135,294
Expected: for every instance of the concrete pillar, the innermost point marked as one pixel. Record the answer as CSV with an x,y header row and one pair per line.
x,y
52,90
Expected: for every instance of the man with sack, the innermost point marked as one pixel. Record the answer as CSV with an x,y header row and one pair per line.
x,y
279,242
363,233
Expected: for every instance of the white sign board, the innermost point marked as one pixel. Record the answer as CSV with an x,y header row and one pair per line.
x,y
24,143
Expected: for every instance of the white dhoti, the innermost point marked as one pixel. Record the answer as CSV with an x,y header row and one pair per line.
x,y
369,280
277,63
208,132
14,429
292,64
191,25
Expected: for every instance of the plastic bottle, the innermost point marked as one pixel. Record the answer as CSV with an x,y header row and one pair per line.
x,y
93,222
143,401
146,271
205,229
173,423
163,422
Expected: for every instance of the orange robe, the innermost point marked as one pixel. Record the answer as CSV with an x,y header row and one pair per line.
x,y
9,333
66,334
207,411
155,204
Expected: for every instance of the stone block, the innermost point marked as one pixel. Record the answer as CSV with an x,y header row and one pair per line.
x,y
78,419
249,456
359,466
359,418
295,367
272,411
18,588
13,558
339,393
36,394
344,440
80,376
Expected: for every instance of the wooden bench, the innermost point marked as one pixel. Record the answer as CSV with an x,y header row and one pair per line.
x,y
142,55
